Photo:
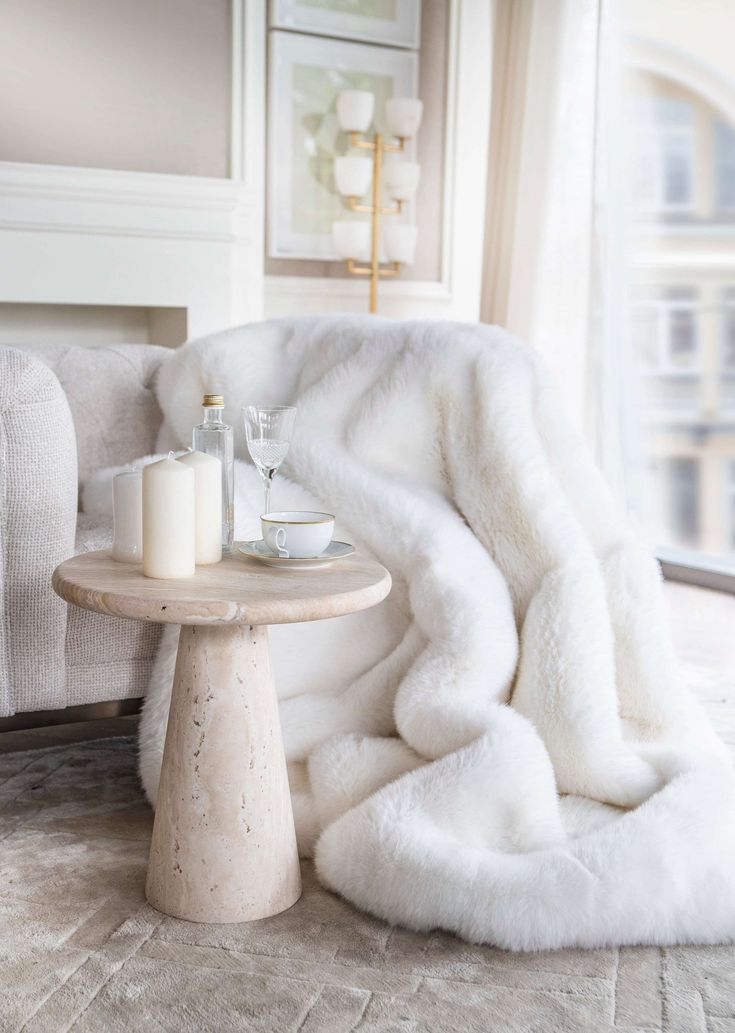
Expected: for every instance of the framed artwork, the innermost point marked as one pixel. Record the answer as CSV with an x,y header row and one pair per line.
x,y
395,23
305,74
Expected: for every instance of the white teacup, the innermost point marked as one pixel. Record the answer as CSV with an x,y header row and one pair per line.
x,y
297,535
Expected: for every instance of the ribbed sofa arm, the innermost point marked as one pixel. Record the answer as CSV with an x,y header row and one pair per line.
x,y
38,513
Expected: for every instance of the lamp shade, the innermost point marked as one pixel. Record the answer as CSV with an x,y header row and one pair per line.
x,y
351,239
355,110
401,179
399,242
403,115
353,175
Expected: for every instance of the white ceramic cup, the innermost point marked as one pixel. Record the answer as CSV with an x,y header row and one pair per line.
x,y
297,535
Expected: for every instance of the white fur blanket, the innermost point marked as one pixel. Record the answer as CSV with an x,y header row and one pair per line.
x,y
503,748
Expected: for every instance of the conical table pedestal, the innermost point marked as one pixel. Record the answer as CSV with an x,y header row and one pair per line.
x,y
224,846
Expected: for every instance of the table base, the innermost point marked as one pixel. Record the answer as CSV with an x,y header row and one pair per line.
x,y
224,845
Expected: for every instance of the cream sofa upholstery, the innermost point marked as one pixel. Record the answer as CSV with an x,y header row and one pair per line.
x,y
65,412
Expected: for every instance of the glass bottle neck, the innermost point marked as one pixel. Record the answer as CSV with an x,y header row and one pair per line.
x,y
213,414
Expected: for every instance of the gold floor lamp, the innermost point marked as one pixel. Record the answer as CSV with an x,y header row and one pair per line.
x,y
358,241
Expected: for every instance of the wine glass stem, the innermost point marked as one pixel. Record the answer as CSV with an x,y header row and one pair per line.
x,y
267,494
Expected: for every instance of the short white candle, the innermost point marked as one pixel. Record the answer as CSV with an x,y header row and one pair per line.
x,y
353,175
351,239
400,242
127,514
208,505
403,115
401,179
355,110
169,529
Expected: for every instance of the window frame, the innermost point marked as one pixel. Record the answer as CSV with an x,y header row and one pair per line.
x,y
652,138
718,126
663,307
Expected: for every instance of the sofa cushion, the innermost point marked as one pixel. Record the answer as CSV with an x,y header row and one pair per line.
x,y
110,390
107,657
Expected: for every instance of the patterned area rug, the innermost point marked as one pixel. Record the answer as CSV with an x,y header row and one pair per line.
x,y
82,950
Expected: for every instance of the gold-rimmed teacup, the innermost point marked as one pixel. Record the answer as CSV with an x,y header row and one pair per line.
x,y
297,534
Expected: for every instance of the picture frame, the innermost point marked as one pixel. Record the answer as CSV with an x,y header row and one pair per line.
x,y
305,74
394,23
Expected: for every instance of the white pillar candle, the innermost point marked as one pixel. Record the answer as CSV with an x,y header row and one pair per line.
x,y
401,179
351,239
400,242
169,530
355,110
353,175
208,505
127,515
403,115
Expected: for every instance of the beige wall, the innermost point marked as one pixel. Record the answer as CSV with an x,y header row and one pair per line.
x,y
431,143
145,85
140,85
696,28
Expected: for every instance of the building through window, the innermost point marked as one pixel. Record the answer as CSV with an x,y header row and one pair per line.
x,y
681,377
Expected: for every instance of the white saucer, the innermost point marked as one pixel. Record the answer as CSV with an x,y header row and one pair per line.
x,y
259,551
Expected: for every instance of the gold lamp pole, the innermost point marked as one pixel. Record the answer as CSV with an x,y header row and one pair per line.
x,y
354,113
375,270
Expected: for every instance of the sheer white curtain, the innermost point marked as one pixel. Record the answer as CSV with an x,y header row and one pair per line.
x,y
554,268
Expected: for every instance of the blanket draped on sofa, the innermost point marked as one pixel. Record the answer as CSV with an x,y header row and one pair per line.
x,y
503,749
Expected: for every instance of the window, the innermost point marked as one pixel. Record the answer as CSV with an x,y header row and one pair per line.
x,y
725,166
678,499
665,330
673,377
663,154
730,501
727,350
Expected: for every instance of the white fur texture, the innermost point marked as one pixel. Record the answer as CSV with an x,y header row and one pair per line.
x,y
503,749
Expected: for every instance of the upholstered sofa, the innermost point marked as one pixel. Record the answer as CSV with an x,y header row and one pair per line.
x,y
65,412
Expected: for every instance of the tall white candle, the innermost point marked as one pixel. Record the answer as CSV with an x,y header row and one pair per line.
x,y
169,529
127,514
208,505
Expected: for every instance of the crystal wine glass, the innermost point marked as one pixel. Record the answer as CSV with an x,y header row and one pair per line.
x,y
268,430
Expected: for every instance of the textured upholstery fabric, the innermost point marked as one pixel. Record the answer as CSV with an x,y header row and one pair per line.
x,y
111,397
51,655
38,502
106,657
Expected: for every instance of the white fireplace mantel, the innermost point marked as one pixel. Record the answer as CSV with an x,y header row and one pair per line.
x,y
98,237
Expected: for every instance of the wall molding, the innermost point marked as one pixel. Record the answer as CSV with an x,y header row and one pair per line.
x,y
58,198
103,237
399,299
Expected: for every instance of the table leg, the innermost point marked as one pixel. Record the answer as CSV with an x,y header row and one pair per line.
x,y
224,845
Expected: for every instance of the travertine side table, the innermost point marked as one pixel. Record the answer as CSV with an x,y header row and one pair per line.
x,y
224,846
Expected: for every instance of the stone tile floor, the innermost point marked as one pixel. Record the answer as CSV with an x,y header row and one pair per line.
x,y
80,949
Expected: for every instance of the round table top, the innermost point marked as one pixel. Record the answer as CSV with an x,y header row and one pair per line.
x,y
237,590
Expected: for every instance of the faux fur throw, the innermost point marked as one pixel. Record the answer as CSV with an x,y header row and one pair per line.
x,y
503,748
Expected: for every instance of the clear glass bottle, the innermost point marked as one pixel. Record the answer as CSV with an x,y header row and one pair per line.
x,y
215,438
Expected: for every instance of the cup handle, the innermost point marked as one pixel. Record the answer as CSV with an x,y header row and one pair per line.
x,y
277,537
